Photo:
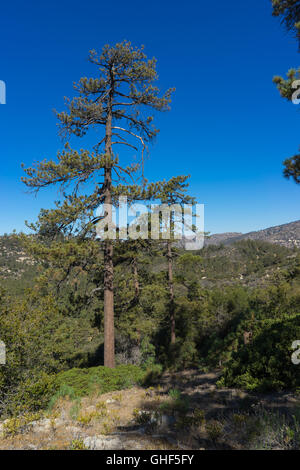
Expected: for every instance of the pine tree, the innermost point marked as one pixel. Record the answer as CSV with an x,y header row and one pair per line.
x,y
134,252
116,101
173,193
289,11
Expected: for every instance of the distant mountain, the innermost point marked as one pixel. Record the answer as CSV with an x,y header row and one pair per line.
x,y
14,261
16,264
219,238
287,235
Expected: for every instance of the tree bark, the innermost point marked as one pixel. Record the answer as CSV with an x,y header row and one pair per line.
x,y
109,331
171,290
136,278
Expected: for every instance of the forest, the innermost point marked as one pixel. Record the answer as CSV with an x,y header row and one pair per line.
x,y
199,344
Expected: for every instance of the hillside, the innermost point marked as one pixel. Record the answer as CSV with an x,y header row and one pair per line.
x,y
228,259
244,262
287,235
230,301
180,411
17,269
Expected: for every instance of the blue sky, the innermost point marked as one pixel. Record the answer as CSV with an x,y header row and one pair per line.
x,y
228,126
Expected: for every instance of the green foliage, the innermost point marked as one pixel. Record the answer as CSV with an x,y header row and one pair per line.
x,y
16,425
175,394
56,327
77,444
275,430
287,89
40,341
100,379
214,430
292,168
289,11
75,408
185,422
152,374
177,404
121,70
54,330
142,417
33,394
62,391
265,363
147,352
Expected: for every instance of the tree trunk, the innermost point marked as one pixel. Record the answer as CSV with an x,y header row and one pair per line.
x,y
109,331
171,290
136,278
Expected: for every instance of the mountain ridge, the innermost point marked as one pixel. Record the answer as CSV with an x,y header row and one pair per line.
x,y
287,235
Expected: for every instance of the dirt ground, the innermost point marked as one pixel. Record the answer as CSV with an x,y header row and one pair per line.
x,y
183,410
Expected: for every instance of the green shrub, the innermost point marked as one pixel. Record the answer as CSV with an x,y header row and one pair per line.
x,y
176,404
214,430
265,363
63,391
78,444
175,394
32,395
99,379
151,375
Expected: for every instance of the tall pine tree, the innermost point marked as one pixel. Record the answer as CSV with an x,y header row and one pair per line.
x,y
116,101
173,194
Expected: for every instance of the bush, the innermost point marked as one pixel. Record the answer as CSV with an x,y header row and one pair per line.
x,y
151,375
62,392
31,395
40,343
99,379
265,363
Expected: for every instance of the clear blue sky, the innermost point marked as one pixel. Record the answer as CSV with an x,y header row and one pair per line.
x,y
228,126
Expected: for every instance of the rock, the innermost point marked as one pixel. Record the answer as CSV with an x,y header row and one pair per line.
x,y
45,425
42,425
110,400
102,442
59,422
74,431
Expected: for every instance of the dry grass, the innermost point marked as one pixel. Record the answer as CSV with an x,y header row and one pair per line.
x,y
205,418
